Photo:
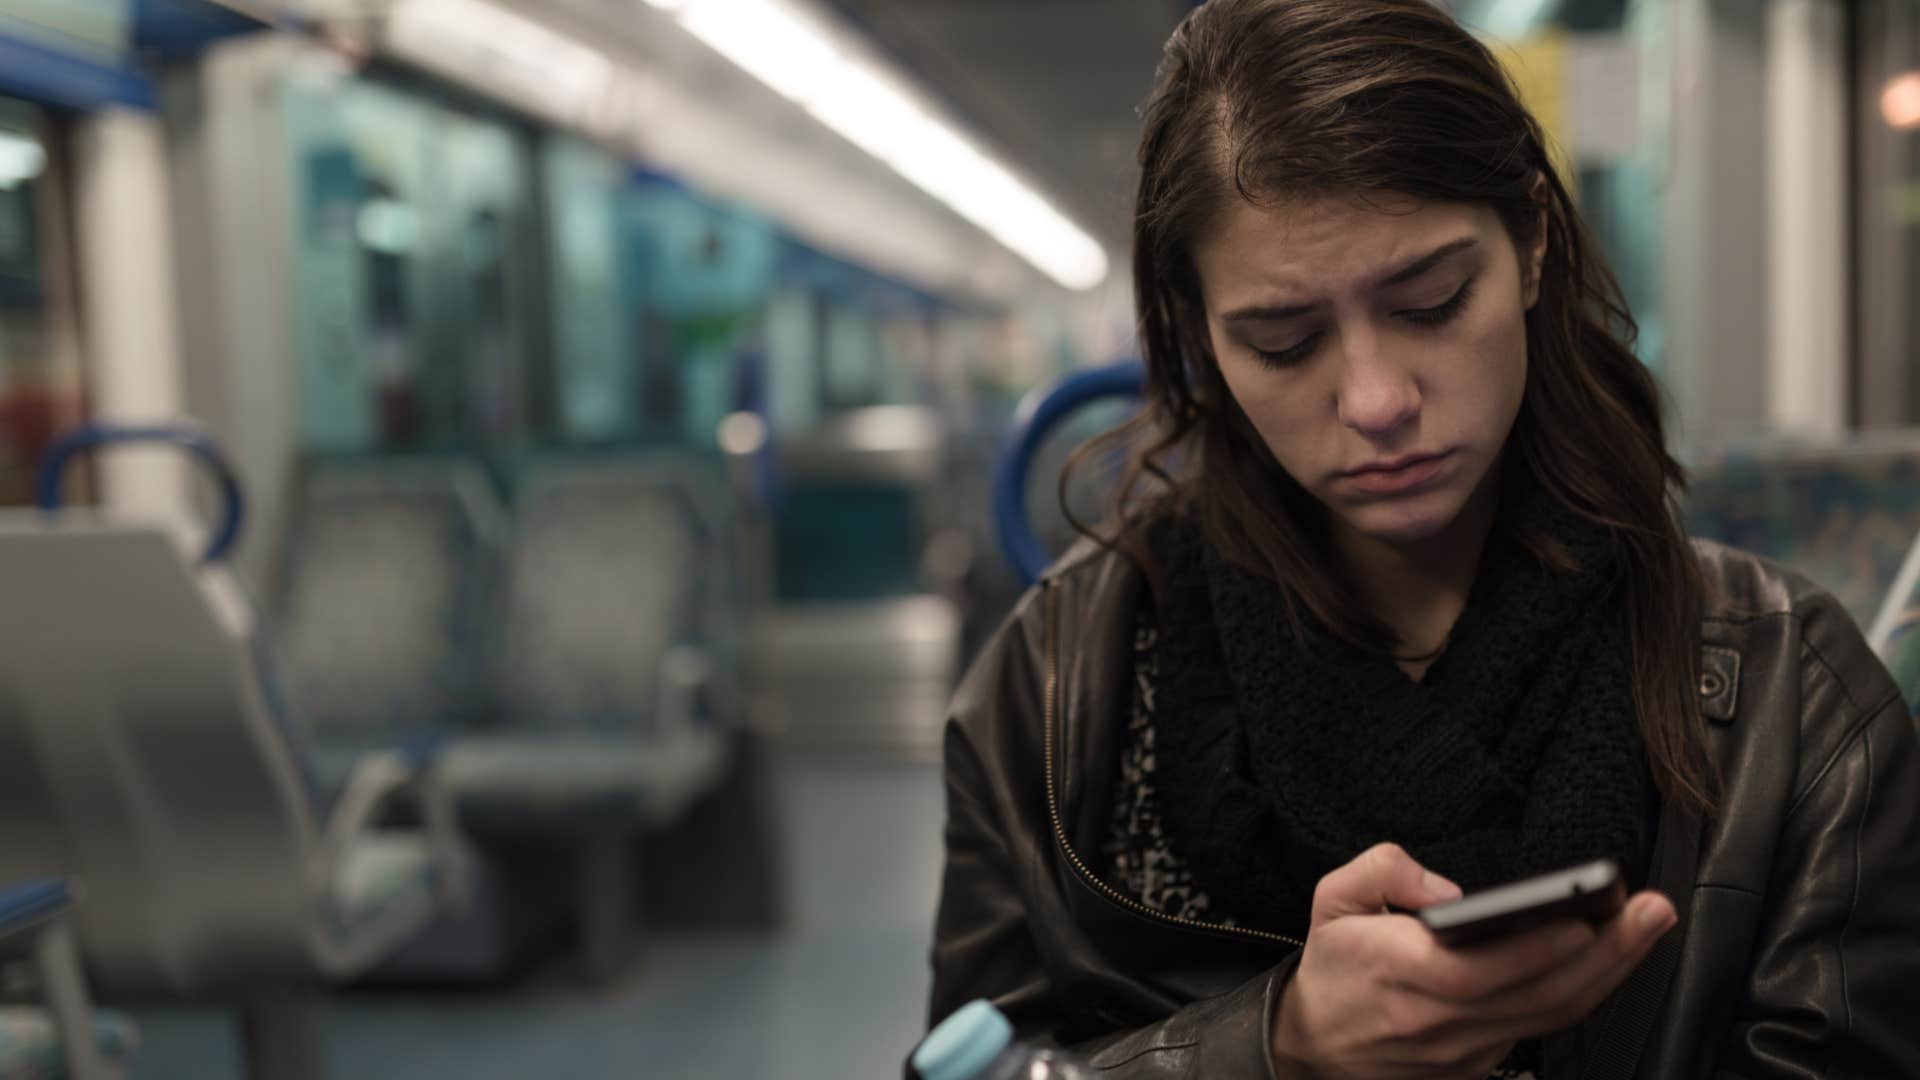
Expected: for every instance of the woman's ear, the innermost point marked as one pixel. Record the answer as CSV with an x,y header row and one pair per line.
x,y
1536,253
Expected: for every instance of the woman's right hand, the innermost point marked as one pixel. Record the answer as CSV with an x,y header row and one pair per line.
x,y
1376,995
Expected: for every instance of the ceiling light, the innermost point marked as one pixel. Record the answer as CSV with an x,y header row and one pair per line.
x,y
784,47
768,41
496,47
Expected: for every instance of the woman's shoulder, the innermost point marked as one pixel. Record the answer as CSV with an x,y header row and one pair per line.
x,y
1798,659
1743,585
1744,589
1065,619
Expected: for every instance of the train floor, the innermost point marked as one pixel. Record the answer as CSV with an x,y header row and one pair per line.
x,y
838,995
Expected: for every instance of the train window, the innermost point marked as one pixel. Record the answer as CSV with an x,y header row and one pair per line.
x,y
40,367
699,278
595,387
418,315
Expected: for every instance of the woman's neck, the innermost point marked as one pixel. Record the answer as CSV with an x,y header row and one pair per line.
x,y
1418,590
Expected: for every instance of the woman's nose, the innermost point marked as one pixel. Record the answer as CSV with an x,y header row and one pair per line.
x,y
1376,396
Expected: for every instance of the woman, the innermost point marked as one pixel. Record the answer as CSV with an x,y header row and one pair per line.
x,y
1406,610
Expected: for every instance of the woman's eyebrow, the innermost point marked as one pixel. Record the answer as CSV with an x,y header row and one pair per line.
x,y
1269,313
1427,262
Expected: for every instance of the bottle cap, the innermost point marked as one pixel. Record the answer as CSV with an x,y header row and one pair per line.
x,y
964,1044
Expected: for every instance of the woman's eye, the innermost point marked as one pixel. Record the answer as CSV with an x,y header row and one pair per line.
x,y
1444,313
1289,357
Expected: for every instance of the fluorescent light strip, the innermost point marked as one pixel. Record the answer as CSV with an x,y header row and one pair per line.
x,y
779,44
493,45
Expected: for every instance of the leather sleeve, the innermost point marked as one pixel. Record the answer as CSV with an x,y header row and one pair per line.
x,y
1835,986
983,949
984,945
1227,1037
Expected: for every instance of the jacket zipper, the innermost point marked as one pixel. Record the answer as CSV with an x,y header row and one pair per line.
x,y
1050,717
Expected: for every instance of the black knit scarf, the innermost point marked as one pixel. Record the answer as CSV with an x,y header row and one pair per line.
x,y
1281,759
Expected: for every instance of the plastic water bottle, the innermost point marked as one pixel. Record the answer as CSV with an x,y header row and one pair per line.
x,y
976,1043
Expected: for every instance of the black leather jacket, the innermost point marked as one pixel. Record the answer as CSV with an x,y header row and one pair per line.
x,y
1798,948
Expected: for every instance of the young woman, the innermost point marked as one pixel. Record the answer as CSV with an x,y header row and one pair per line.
x,y
1406,610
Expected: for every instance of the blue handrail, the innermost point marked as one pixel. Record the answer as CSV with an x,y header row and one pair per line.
x,y
184,436
1040,412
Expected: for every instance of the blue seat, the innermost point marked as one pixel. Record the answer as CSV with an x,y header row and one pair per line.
x,y
1843,515
1044,411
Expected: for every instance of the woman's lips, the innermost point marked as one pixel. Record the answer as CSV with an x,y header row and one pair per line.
x,y
1399,477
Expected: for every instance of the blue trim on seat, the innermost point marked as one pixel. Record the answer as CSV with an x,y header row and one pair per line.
x,y
185,436
33,901
68,81
1040,412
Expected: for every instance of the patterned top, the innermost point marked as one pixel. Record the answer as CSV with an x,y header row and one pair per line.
x,y
1141,861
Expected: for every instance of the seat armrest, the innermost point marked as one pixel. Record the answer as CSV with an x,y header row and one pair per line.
x,y
686,677
33,920
412,775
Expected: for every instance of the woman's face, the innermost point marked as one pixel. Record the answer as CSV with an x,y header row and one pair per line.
x,y
1380,351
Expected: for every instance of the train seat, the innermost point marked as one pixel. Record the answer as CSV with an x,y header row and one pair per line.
x,y
1843,515
141,757
383,601
613,685
570,658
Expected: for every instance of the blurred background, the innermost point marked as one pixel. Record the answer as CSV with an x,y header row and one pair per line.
x,y
526,650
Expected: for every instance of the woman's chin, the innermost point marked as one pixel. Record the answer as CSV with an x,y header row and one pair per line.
x,y
1402,522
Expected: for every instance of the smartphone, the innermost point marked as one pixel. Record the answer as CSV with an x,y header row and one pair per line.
x,y
1592,891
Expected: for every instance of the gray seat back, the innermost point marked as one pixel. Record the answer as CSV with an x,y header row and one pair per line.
x,y
136,757
383,601
612,566
1844,515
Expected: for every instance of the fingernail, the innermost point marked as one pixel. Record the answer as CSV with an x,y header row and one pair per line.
x,y
1438,887
1655,918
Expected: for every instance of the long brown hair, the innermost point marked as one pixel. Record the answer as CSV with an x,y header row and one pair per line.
x,y
1268,99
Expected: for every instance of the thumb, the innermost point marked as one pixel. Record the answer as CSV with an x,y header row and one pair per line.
x,y
1383,876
